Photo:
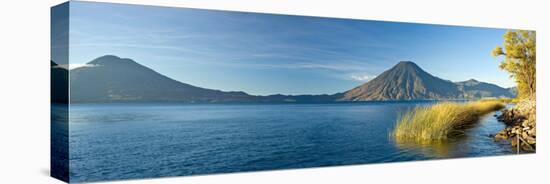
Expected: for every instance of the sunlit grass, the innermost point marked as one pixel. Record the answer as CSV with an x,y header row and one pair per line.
x,y
502,100
441,121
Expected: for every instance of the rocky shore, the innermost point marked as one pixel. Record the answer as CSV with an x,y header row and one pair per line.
x,y
521,128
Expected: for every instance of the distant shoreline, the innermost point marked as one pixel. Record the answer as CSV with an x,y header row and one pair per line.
x,y
266,103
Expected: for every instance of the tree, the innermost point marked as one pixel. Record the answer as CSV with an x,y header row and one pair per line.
x,y
520,60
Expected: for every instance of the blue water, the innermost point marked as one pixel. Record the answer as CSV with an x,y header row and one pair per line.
x,y
125,141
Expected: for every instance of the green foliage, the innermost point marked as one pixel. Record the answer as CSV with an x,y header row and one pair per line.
x,y
440,122
520,60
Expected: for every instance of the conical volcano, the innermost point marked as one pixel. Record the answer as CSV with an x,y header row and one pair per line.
x,y
114,79
404,81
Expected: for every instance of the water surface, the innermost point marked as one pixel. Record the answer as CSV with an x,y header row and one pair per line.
x,y
123,141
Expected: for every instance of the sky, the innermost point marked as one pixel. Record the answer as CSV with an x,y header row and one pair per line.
x,y
264,54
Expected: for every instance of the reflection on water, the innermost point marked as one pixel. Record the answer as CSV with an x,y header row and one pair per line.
x,y
121,141
442,149
472,140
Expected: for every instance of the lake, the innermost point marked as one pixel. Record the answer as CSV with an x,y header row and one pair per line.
x,y
127,141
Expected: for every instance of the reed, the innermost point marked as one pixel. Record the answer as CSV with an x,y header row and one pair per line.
x,y
442,121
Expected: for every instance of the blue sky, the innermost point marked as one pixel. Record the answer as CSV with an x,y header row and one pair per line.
x,y
268,54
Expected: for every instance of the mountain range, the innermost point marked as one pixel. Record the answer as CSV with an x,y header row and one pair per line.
x,y
113,79
404,81
476,89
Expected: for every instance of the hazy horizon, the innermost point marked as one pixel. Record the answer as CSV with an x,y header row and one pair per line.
x,y
264,54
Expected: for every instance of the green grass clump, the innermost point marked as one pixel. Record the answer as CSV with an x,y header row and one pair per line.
x,y
441,121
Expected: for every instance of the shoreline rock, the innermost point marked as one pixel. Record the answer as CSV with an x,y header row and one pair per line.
x,y
520,123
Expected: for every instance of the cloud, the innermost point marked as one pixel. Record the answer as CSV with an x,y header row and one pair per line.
x,y
362,77
324,66
74,65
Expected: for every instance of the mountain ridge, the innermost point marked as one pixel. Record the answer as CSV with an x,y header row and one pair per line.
x,y
404,81
476,89
110,78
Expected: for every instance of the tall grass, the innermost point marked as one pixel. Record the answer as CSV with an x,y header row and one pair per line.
x,y
502,100
441,121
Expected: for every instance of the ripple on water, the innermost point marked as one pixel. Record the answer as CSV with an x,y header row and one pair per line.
x,y
123,141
